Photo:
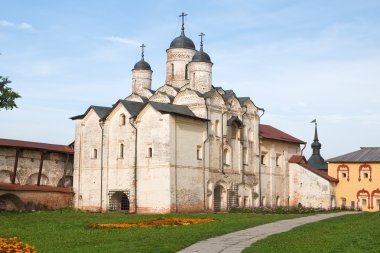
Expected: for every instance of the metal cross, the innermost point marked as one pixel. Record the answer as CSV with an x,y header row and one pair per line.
x,y
142,51
183,20
201,35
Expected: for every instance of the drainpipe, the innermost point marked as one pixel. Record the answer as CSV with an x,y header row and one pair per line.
x,y
204,158
175,165
242,144
303,148
101,124
260,201
135,163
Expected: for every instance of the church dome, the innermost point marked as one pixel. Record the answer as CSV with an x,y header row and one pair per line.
x,y
182,42
142,65
201,56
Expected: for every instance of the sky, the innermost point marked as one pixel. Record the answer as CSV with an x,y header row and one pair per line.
x,y
299,60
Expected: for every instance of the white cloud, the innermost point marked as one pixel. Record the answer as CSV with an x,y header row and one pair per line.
x,y
122,40
21,26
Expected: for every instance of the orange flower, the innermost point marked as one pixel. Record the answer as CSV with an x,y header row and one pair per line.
x,y
11,245
159,222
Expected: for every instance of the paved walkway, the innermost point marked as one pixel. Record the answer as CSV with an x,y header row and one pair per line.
x,y
237,241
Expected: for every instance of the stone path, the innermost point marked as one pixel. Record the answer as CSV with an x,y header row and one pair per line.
x,y
237,241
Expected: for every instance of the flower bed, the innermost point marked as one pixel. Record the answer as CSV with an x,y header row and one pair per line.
x,y
11,245
151,223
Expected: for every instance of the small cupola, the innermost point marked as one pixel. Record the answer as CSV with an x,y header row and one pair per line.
x,y
141,75
142,64
200,70
201,56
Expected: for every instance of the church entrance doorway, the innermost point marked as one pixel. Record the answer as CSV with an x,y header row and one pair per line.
x,y
218,198
118,201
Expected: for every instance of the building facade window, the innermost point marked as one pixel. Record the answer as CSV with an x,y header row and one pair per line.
x,y
278,160
121,150
199,152
217,128
186,72
365,172
149,151
245,156
263,158
227,157
172,70
343,171
94,153
122,120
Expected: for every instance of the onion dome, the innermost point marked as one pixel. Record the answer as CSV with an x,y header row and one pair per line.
x,y
201,56
182,41
142,64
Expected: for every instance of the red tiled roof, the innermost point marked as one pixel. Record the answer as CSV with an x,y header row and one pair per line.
x,y
301,161
44,188
269,132
35,146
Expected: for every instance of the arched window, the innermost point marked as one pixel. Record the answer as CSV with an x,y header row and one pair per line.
x,y
217,131
227,157
94,153
186,72
278,201
122,120
149,151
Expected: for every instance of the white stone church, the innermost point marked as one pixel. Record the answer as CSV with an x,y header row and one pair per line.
x,y
187,146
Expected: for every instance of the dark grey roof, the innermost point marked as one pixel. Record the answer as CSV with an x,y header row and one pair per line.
x,y
182,42
243,99
227,94
365,154
236,120
142,65
181,110
318,162
201,56
132,107
101,111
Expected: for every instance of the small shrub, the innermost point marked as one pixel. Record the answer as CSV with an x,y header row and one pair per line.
x,y
283,210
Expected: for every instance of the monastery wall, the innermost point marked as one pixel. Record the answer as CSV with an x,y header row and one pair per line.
x,y
309,189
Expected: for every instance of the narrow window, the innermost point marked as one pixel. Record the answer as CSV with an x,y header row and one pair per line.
x,y
217,133
365,175
278,160
94,153
245,155
227,157
122,120
344,175
186,73
263,158
172,70
199,152
121,150
149,152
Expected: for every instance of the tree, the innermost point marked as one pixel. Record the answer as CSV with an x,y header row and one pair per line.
x,y
7,95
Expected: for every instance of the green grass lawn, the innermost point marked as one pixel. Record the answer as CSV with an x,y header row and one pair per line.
x,y
352,233
68,231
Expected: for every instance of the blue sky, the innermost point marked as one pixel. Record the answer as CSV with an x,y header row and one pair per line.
x,y
299,60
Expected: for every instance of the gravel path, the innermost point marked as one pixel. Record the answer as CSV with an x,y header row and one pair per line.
x,y
237,241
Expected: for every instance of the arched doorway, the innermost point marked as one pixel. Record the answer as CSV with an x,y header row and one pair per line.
x,y
10,202
218,198
118,200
